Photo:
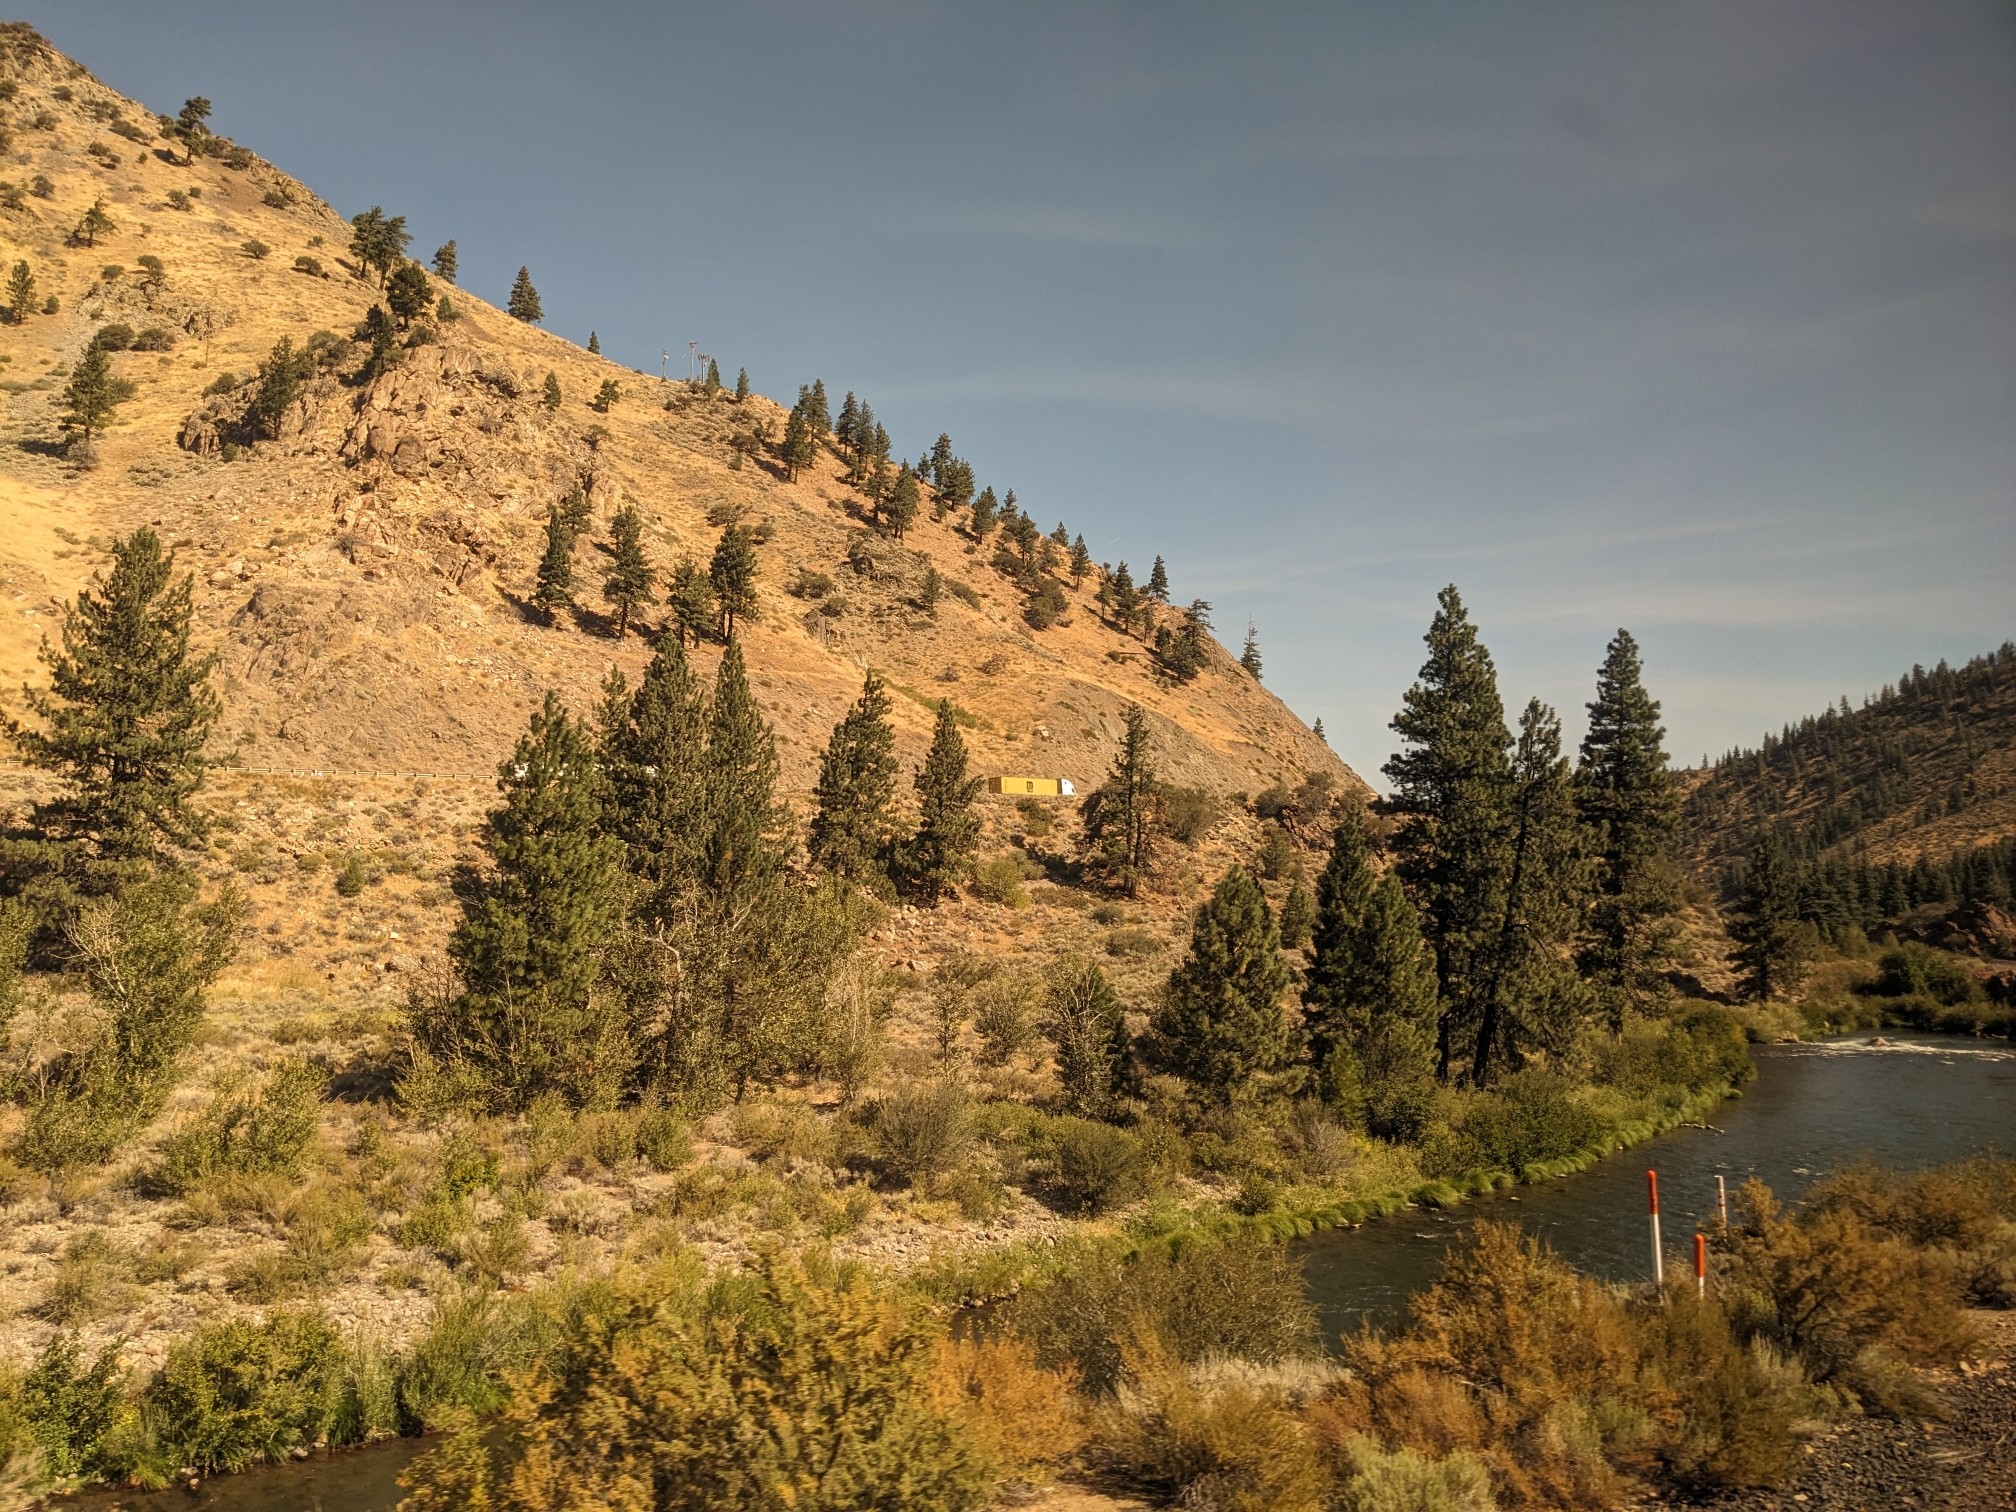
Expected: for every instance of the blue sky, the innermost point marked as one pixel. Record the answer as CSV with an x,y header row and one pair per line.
x,y
1697,318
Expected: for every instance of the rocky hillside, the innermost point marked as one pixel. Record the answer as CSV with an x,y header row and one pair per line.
x,y
366,575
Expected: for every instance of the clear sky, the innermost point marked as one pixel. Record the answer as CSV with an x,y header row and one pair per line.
x,y
1698,318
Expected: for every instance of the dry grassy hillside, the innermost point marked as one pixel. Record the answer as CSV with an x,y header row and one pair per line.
x,y
366,575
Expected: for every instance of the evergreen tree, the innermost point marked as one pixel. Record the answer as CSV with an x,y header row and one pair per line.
x,y
1317,730
816,413
741,384
857,785
1298,916
1083,1020
607,396
93,394
692,602
20,293
1123,598
1220,1024
524,301
444,261
801,444
1081,560
127,713
1628,800
97,222
948,829
381,337
378,242
1535,998
1123,819
1158,582
555,588
986,509
191,128
733,578
530,948
1773,943
937,459
594,345
713,385
1182,651
409,293
1369,1002
1452,791
846,428
654,753
282,378
628,580
1249,656
899,510
550,393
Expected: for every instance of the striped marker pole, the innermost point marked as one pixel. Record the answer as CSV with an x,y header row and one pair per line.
x,y
1658,1252
1722,1200
1700,1265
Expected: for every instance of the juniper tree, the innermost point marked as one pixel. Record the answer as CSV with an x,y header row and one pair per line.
x,y
1534,998
1627,798
190,128
1123,818
741,384
1249,655
153,275
1452,791
93,394
594,345
857,785
127,713
550,392
1081,560
532,1017
282,378
523,303
1158,582
628,580
607,396
1083,1021
444,261
732,574
691,600
555,588
20,293
1220,1025
409,293
948,828
899,509
378,241
97,222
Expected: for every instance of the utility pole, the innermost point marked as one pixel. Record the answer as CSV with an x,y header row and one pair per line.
x,y
692,350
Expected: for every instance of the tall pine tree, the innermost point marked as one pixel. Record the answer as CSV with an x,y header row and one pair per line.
x,y
1123,819
857,785
524,301
628,580
1221,1025
1629,802
554,589
733,578
948,829
691,600
1452,791
1774,943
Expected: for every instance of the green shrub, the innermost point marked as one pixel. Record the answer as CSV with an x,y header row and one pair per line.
x,y
1723,1415
154,339
223,383
1000,881
1188,813
1133,942
71,1409
312,266
919,1131
255,249
236,1393
1095,1167
1535,1118
265,1127
115,337
1915,970
473,1342
353,878
1405,1480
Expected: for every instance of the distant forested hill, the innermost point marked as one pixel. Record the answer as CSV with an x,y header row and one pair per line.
x,y
1924,769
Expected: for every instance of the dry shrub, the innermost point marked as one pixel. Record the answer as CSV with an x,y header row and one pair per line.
x,y
1026,1420
1226,1445
1722,1414
1405,1480
789,1133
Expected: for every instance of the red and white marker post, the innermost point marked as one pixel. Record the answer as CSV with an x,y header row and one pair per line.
x,y
1658,1251
1700,1265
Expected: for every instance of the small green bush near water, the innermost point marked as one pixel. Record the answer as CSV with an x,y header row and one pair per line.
x,y
262,1127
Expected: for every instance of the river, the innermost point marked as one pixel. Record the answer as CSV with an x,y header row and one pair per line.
x,y
1812,1110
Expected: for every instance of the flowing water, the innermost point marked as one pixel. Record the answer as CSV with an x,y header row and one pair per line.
x,y
1812,1110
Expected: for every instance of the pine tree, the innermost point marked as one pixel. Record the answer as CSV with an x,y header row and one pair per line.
x,y
713,385
628,580
1220,1025
1369,1003
801,445
378,241
846,429
550,392
1628,799
93,394
1452,791
741,384
524,301
607,396
1158,582
1123,597
1081,560
985,511
857,785
282,377
127,713
1298,916
381,337
816,413
594,345
409,293
444,261
97,222
654,753
1083,1020
191,128
899,510
692,602
1535,999
555,588
733,577
20,293
1249,657
1123,819
948,828
530,947
937,459
1317,730
1774,944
